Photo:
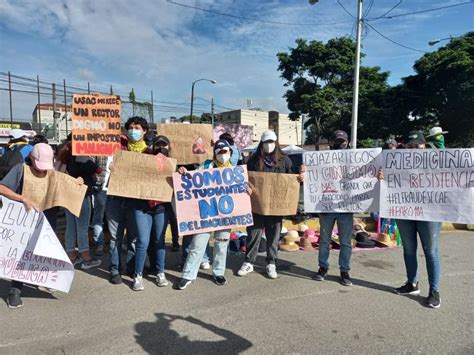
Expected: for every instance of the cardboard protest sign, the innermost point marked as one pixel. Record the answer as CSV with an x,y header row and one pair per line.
x,y
342,180
142,176
428,185
30,252
212,199
55,189
190,143
274,194
96,124
242,135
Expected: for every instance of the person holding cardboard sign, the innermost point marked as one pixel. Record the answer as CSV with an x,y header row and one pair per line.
x,y
199,242
77,228
152,218
268,158
41,160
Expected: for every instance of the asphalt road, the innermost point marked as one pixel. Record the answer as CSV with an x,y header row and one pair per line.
x,y
292,314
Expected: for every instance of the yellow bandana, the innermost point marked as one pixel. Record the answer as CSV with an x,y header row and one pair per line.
x,y
218,164
138,147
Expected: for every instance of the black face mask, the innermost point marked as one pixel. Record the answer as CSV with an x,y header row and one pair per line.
x,y
338,146
162,150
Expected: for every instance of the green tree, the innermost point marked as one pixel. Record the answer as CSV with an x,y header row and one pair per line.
x,y
321,78
441,92
187,118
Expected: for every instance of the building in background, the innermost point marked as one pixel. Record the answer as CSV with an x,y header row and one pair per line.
x,y
288,132
55,125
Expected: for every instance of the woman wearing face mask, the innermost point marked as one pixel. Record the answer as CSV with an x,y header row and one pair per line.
x,y
428,232
197,248
268,158
118,215
151,218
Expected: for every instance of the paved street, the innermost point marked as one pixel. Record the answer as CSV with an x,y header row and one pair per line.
x,y
292,314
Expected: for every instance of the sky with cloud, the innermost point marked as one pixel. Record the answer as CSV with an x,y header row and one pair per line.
x,y
160,46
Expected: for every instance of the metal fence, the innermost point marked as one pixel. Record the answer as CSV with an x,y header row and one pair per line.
x,y
20,95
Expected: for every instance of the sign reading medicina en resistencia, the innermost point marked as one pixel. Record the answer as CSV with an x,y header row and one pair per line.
x,y
342,181
428,185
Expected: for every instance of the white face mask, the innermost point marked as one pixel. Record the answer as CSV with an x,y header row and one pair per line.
x,y
223,158
268,147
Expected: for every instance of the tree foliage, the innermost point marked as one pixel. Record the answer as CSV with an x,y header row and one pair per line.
x,y
441,92
321,79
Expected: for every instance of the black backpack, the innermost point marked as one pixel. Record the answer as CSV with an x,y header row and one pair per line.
x,y
11,158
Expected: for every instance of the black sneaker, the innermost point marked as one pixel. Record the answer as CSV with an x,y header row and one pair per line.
x,y
345,279
433,300
14,300
220,280
321,274
116,279
408,289
182,284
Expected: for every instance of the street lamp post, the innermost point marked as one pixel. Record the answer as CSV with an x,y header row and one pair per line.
x,y
192,95
436,41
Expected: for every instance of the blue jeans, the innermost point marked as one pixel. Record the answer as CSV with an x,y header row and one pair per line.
x,y
197,249
115,214
100,200
187,240
428,232
344,227
151,224
77,228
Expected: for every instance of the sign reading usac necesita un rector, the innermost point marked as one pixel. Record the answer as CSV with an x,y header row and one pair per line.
x,y
96,121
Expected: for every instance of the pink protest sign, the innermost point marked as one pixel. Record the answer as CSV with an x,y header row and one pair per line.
x,y
212,199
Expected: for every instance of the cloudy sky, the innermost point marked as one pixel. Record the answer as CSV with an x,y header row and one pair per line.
x,y
163,46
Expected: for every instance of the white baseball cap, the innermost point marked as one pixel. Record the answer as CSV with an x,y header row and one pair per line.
x,y
17,133
268,136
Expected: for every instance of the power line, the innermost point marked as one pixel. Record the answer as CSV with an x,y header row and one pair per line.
x,y
252,18
394,42
389,11
421,11
343,7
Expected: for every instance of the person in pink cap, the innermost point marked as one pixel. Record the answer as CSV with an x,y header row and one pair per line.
x,y
40,161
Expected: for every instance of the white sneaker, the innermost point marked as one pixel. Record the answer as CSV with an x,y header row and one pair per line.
x,y
138,283
205,266
161,280
245,269
271,271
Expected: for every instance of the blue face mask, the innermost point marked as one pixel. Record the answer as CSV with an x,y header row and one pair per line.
x,y
134,134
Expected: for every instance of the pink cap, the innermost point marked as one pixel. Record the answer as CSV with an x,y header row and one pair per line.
x,y
43,156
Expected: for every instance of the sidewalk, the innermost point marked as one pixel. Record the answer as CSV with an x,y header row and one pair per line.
x,y
253,314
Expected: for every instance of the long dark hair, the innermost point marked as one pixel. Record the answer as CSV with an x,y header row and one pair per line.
x,y
65,153
259,154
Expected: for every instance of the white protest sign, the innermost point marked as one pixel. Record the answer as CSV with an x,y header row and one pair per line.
x,y
30,252
341,180
428,185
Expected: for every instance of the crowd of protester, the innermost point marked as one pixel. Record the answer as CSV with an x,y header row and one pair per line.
x,y
144,223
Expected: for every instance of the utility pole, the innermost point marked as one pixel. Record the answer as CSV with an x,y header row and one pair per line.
x,y
55,116
88,88
65,105
355,94
302,130
38,111
212,112
10,94
152,108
